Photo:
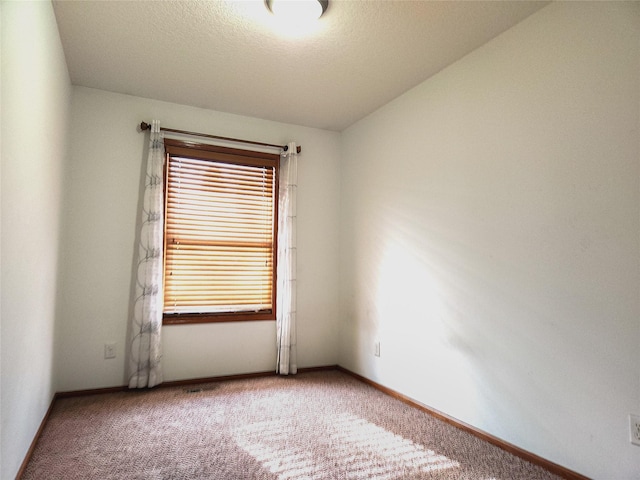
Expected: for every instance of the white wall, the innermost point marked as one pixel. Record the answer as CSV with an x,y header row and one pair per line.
x,y
101,203
490,238
35,105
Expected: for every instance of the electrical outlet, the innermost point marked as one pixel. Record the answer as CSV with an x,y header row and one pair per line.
x,y
376,349
109,350
634,429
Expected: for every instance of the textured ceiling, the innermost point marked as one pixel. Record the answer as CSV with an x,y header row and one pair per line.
x,y
232,56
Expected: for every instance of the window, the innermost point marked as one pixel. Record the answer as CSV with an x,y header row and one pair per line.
x,y
220,233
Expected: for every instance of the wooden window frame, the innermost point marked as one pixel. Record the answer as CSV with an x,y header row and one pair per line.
x,y
233,156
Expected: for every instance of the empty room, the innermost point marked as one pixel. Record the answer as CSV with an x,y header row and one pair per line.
x,y
397,240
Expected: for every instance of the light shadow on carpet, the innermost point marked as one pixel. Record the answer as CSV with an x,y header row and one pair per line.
x,y
355,446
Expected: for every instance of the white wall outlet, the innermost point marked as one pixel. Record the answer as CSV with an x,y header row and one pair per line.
x,y
109,350
634,429
376,348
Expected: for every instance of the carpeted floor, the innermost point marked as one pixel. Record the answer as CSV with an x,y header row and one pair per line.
x,y
321,425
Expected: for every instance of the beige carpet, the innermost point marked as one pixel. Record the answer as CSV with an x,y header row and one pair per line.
x,y
321,425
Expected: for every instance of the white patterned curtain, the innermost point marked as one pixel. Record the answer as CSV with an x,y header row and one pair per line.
x,y
144,354
286,271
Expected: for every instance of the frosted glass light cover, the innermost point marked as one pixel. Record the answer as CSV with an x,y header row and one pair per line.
x,y
296,10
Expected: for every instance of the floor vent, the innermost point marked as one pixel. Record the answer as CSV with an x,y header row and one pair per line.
x,y
199,389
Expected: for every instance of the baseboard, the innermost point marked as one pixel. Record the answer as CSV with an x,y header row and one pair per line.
x,y
91,391
32,447
189,381
514,450
241,376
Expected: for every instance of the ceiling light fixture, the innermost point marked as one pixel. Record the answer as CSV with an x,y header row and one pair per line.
x,y
298,10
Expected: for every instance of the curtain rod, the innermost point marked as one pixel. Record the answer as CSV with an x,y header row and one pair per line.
x,y
146,126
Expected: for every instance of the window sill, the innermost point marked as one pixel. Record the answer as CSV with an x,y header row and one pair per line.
x,y
190,318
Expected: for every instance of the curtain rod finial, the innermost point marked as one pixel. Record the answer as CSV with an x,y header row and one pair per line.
x,y
144,126
286,148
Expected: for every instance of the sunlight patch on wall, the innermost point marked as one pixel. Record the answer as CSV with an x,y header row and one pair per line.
x,y
344,444
416,321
